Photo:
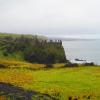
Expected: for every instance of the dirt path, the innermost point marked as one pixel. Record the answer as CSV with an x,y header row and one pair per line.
x,y
17,93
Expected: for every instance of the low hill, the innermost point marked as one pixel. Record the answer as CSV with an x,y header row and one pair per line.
x,y
34,49
2,35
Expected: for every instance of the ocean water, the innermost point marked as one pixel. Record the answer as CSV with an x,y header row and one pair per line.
x,y
85,49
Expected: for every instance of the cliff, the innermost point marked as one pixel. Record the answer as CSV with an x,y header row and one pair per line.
x,y
32,49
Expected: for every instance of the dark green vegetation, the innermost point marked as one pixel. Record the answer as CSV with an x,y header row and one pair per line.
x,y
31,48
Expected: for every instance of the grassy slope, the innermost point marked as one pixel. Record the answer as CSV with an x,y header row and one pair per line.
x,y
16,55
61,83
18,35
13,35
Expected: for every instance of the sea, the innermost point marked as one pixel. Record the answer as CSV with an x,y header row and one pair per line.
x,y
88,50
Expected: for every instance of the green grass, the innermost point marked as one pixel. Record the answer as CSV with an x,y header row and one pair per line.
x,y
82,82
68,82
14,35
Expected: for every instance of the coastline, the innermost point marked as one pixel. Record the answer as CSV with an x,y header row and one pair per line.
x,y
85,50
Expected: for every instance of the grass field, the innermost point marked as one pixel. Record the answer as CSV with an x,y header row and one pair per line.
x,y
13,35
80,83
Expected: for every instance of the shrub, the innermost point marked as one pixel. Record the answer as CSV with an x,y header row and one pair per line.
x,y
49,66
89,64
2,66
71,65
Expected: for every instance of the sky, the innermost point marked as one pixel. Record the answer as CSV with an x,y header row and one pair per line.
x,y
60,18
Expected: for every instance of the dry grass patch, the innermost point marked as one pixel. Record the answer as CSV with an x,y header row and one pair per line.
x,y
16,77
19,64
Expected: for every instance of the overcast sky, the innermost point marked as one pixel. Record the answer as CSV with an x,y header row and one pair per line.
x,y
51,17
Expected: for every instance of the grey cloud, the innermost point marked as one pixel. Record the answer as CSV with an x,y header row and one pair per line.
x,y
50,16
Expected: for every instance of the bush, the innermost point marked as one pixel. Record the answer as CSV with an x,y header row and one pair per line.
x,y
49,66
71,65
2,66
89,64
